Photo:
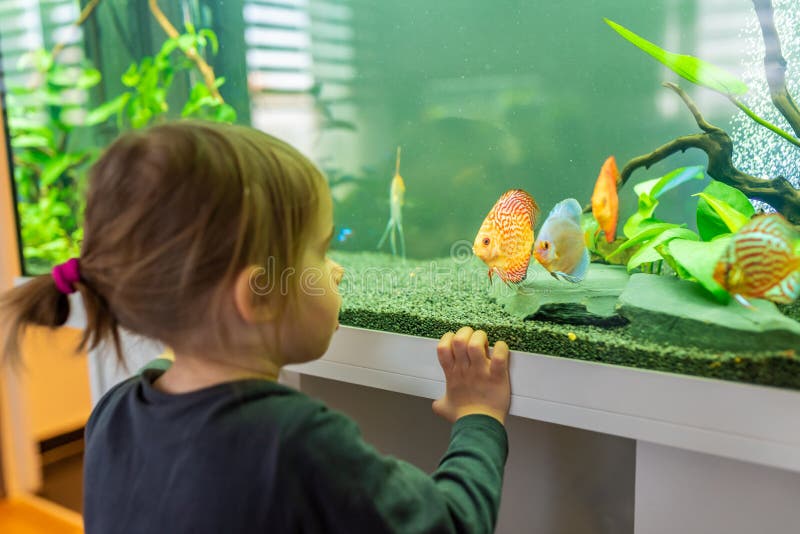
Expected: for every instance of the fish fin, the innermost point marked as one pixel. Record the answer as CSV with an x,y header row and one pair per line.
x,y
568,277
402,239
786,291
579,273
516,275
385,234
568,209
555,274
744,302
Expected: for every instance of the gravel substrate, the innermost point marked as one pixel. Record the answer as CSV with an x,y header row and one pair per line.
x,y
428,298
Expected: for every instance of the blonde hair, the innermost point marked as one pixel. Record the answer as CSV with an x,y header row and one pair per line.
x,y
174,214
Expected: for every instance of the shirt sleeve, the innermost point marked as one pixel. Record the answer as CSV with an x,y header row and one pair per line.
x,y
348,486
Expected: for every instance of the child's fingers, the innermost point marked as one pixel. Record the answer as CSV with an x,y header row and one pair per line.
x,y
444,350
478,348
460,342
499,365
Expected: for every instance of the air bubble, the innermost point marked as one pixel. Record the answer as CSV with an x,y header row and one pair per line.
x,y
758,151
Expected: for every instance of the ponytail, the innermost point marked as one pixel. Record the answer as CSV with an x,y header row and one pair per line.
x,y
36,302
44,301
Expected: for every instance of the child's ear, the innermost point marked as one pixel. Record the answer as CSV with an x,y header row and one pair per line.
x,y
252,307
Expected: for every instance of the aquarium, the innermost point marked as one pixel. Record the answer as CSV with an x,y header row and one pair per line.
x,y
613,181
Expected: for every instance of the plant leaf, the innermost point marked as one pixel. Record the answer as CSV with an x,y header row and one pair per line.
x,y
688,67
732,218
677,177
211,36
131,76
644,213
58,166
709,224
648,230
699,258
29,141
663,250
88,78
186,41
102,113
225,113
650,190
649,253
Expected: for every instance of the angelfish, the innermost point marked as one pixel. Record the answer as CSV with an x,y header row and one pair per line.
x,y
560,247
397,194
605,202
762,261
505,238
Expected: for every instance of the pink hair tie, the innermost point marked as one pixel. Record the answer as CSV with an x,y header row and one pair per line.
x,y
66,275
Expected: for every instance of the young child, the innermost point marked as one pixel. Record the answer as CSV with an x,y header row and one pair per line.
x,y
212,239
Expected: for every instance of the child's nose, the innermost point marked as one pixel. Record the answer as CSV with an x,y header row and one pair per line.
x,y
338,273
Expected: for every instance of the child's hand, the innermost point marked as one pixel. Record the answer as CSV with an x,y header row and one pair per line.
x,y
476,383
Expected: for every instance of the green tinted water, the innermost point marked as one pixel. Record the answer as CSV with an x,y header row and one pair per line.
x,y
481,95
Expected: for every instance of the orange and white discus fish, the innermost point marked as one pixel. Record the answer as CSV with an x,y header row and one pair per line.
x,y
505,239
762,261
605,202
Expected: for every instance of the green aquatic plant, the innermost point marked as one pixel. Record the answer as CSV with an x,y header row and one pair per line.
x,y
690,68
702,73
721,211
642,228
695,260
778,192
51,134
710,223
650,191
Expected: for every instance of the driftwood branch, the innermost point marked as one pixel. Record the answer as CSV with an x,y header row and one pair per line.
x,y
775,65
715,142
205,69
85,12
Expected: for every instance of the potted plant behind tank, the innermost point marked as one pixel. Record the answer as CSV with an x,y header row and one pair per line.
x,y
49,128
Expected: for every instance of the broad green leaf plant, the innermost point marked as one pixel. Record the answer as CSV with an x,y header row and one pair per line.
x,y
721,211
49,126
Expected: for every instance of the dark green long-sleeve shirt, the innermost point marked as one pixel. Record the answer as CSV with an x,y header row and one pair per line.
x,y
257,456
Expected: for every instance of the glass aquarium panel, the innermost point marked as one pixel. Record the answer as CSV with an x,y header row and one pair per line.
x,y
424,114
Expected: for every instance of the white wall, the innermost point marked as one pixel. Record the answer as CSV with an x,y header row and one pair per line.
x,y
695,493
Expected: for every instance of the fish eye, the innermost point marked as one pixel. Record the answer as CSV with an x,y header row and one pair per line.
x,y
546,245
486,241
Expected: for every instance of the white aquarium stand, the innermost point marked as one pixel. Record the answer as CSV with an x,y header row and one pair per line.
x,y
710,455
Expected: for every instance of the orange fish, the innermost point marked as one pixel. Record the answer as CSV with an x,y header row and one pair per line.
x,y
605,202
505,239
762,261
